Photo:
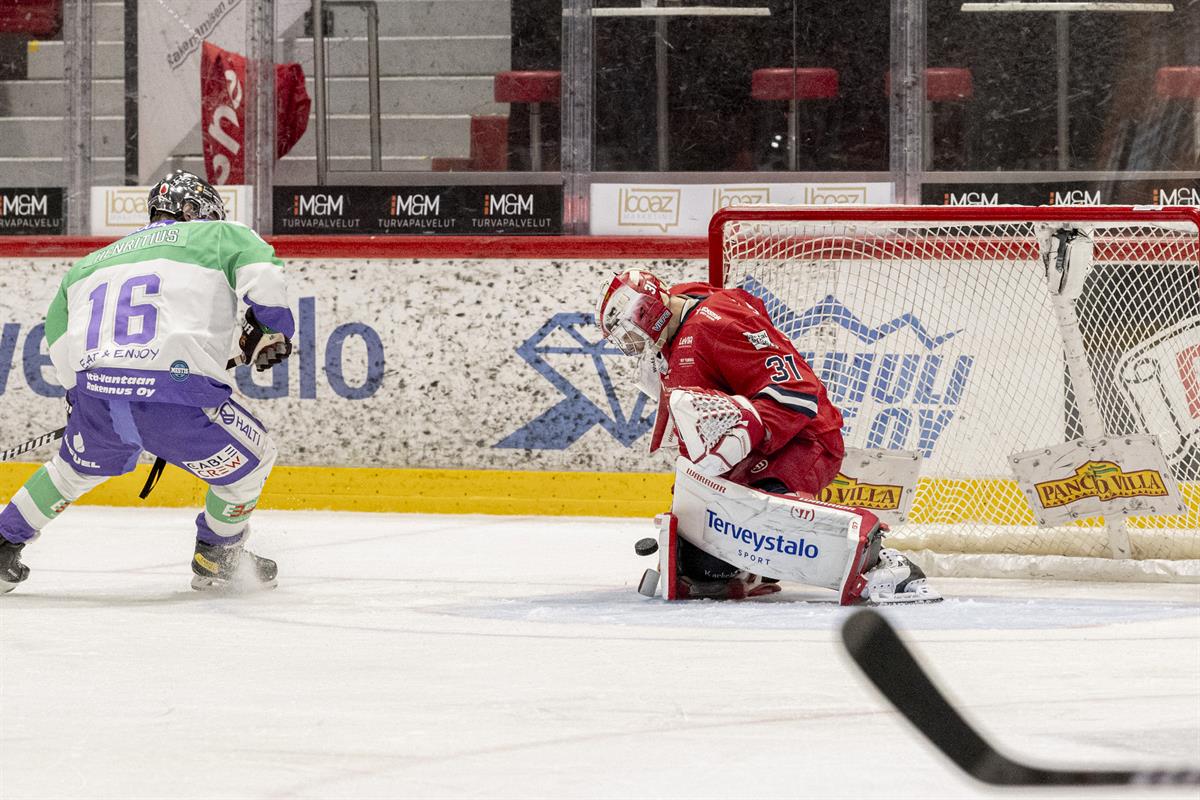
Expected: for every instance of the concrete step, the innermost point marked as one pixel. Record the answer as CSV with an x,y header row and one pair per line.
x,y
419,55
424,94
420,18
412,55
401,135
108,20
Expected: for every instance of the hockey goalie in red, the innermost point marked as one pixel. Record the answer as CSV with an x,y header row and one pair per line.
x,y
758,439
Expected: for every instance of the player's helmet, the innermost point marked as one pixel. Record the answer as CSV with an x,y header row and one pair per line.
x,y
186,197
633,312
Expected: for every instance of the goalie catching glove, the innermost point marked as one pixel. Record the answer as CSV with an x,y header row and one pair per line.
x,y
260,345
715,430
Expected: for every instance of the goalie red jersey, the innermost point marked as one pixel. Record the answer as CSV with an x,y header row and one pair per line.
x,y
726,342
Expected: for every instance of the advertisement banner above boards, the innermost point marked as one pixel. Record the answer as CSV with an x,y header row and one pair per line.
x,y
31,211
119,210
1081,193
660,209
462,210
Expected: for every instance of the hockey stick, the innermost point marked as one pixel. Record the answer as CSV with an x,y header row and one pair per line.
x,y
53,436
32,444
882,656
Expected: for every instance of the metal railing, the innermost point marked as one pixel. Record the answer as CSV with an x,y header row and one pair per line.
x,y
322,133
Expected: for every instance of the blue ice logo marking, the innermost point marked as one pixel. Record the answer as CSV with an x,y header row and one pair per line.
x,y
576,414
180,371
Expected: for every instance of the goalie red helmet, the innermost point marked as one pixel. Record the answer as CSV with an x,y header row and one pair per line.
x,y
633,312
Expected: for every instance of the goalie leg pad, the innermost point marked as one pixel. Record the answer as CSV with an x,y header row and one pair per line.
x,y
788,538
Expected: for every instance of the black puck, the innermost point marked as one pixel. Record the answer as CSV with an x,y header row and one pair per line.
x,y
645,547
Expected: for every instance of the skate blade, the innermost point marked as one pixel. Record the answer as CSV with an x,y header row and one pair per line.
x,y
6,587
902,599
235,586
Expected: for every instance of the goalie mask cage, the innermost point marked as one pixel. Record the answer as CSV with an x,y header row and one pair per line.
x,y
935,329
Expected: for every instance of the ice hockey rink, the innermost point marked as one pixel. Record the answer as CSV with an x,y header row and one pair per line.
x,y
511,657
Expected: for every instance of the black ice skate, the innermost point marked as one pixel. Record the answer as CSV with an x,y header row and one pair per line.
x,y
231,568
12,571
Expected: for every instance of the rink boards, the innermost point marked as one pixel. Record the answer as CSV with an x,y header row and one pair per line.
x,y
432,374
426,377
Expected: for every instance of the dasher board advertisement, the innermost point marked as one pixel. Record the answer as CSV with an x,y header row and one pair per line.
x,y
659,209
118,210
1118,477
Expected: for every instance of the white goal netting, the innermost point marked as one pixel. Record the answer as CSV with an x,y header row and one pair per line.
x,y
935,331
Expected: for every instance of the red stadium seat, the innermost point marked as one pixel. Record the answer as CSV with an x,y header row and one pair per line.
x,y
793,85
532,87
33,17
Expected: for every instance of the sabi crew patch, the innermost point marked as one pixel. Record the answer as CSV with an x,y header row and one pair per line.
x,y
180,371
225,461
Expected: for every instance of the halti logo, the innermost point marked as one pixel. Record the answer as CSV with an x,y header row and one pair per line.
x,y
22,205
321,205
906,399
507,205
577,413
415,205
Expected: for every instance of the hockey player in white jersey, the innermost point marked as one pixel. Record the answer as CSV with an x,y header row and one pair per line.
x,y
139,335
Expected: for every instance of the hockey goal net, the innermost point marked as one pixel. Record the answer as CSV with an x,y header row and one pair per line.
x,y
938,331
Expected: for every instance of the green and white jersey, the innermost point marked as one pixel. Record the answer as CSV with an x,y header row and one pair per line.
x,y
152,316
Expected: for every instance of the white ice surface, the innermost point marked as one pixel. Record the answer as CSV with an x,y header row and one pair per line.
x,y
429,656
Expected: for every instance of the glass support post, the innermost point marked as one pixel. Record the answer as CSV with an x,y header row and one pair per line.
x,y
77,128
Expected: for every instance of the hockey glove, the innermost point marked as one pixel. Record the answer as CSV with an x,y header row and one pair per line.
x,y
715,430
261,346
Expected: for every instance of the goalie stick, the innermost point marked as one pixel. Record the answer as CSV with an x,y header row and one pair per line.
x,y
883,657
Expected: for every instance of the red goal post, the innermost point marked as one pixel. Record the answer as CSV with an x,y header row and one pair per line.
x,y
938,331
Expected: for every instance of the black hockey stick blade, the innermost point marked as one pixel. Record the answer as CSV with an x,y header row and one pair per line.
x,y
32,444
883,657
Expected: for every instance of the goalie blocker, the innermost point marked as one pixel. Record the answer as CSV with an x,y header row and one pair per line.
x,y
782,538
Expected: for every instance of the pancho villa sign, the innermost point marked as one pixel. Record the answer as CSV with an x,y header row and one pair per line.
x,y
1103,480
1126,476
881,481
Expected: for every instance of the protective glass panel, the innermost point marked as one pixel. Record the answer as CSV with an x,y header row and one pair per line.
x,y
741,86
1089,89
